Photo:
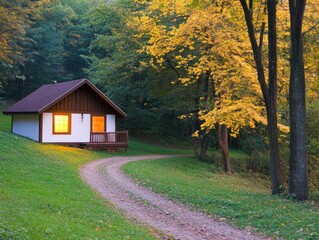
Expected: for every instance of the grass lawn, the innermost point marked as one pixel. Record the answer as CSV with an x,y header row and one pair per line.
x,y
242,201
43,197
137,148
5,124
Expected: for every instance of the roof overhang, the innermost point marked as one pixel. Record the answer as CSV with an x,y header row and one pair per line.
x,y
79,84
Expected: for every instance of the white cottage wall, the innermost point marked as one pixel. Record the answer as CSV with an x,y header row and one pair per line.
x,y
26,125
80,129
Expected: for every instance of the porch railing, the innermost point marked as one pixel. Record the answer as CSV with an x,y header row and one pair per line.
x,y
109,137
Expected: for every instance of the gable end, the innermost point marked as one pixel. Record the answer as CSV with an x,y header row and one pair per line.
x,y
82,100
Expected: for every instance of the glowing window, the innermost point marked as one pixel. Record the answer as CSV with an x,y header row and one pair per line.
x,y
98,124
61,124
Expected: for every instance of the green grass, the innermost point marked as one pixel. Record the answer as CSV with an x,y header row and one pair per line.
x,y
140,148
242,200
5,123
5,120
43,197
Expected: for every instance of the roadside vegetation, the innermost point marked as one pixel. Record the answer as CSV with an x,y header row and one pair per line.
x,y
240,199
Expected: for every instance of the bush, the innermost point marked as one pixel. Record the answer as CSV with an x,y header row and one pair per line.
x,y
313,171
254,145
313,127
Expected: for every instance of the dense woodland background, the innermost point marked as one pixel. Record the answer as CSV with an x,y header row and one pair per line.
x,y
184,73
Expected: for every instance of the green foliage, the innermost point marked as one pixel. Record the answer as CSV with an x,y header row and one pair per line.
x,y
313,143
313,172
14,21
46,53
242,199
313,126
77,39
54,37
76,43
113,54
80,7
117,67
253,143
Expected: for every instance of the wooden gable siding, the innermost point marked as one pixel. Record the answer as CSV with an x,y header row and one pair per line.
x,y
82,100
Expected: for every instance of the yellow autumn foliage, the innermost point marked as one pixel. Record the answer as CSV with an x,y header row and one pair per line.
x,y
12,27
202,37
14,21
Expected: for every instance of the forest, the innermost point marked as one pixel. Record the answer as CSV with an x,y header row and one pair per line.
x,y
210,75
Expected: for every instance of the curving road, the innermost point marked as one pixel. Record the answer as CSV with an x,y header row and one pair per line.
x,y
170,218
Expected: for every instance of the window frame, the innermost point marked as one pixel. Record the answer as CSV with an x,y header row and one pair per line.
x,y
69,123
98,115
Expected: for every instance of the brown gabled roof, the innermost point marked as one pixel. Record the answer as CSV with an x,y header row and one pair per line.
x,y
47,95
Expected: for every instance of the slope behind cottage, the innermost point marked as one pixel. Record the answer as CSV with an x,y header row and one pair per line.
x,y
71,113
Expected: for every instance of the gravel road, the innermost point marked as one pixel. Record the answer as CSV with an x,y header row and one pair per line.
x,y
146,207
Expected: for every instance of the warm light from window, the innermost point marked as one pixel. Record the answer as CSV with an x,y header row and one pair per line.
x,y
61,124
98,124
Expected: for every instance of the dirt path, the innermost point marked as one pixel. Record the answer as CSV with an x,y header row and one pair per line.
x,y
139,203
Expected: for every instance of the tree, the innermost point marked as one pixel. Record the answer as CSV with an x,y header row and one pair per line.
x,y
222,136
47,39
270,91
46,53
201,41
298,178
124,73
78,36
311,49
13,24
14,21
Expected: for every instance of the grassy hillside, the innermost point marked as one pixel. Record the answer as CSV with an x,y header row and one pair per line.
x,y
241,200
5,122
43,197
141,148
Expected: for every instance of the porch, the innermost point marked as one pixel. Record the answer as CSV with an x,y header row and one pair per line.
x,y
108,140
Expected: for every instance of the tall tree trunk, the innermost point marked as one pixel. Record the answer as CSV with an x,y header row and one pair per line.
x,y
200,141
275,168
269,92
195,146
202,133
298,177
203,149
222,135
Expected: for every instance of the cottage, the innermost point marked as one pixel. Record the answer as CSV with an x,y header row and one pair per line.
x,y
71,113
